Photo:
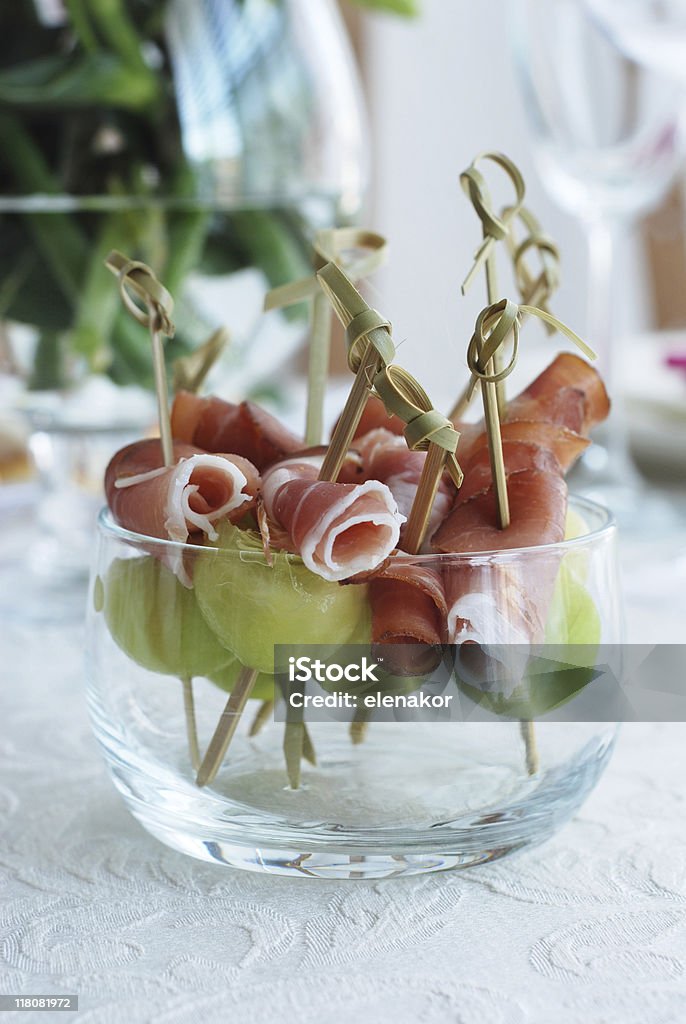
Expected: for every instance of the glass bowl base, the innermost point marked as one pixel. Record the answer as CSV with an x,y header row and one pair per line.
x,y
227,823
326,865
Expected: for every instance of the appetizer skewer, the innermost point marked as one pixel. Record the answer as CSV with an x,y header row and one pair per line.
x,y
322,532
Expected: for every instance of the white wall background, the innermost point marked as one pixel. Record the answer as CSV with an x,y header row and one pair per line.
x,y
443,89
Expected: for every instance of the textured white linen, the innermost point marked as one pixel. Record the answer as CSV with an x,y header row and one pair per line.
x,y
590,927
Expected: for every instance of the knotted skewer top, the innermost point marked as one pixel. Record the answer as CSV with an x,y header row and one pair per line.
x,y
137,279
493,328
342,246
363,325
534,290
426,430
403,396
495,227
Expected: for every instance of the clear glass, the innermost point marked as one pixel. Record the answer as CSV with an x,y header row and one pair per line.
x,y
413,797
651,32
607,142
258,142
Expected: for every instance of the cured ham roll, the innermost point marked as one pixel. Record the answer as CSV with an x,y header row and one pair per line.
x,y
409,609
387,458
569,392
179,501
494,615
557,411
338,529
245,429
538,507
526,445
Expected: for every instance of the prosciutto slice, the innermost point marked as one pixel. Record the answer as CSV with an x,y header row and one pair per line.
x,y
386,457
180,501
569,392
565,402
338,529
538,507
246,429
497,612
409,609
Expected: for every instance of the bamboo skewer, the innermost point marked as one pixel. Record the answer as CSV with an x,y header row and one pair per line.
x,y
427,430
191,726
528,731
261,718
370,348
190,372
358,253
318,369
153,309
136,278
226,727
359,725
418,520
494,229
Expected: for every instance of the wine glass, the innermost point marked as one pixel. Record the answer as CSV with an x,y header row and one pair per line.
x,y
650,32
606,135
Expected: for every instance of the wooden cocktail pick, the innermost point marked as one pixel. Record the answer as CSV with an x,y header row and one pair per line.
x,y
226,727
190,372
493,328
153,309
370,348
427,430
359,253
150,304
261,718
495,229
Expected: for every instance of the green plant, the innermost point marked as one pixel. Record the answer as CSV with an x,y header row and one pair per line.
x,y
87,108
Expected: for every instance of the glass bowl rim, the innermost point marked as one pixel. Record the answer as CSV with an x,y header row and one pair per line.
x,y
607,528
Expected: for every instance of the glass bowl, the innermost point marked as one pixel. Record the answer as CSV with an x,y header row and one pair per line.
x,y
403,795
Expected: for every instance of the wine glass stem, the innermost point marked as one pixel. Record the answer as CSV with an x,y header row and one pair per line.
x,y
604,234
601,332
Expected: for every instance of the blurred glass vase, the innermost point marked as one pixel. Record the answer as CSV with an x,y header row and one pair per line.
x,y
209,140
240,131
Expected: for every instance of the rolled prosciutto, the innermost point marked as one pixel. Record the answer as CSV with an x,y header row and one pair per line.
x,y
245,429
538,508
496,612
386,457
180,501
569,392
409,610
557,411
338,529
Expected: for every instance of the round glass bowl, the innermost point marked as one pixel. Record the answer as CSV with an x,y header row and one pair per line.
x,y
409,795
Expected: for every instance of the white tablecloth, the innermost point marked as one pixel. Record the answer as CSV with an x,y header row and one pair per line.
x,y
588,928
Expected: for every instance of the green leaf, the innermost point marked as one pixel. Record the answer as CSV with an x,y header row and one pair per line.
x,y
86,80
408,8
573,632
